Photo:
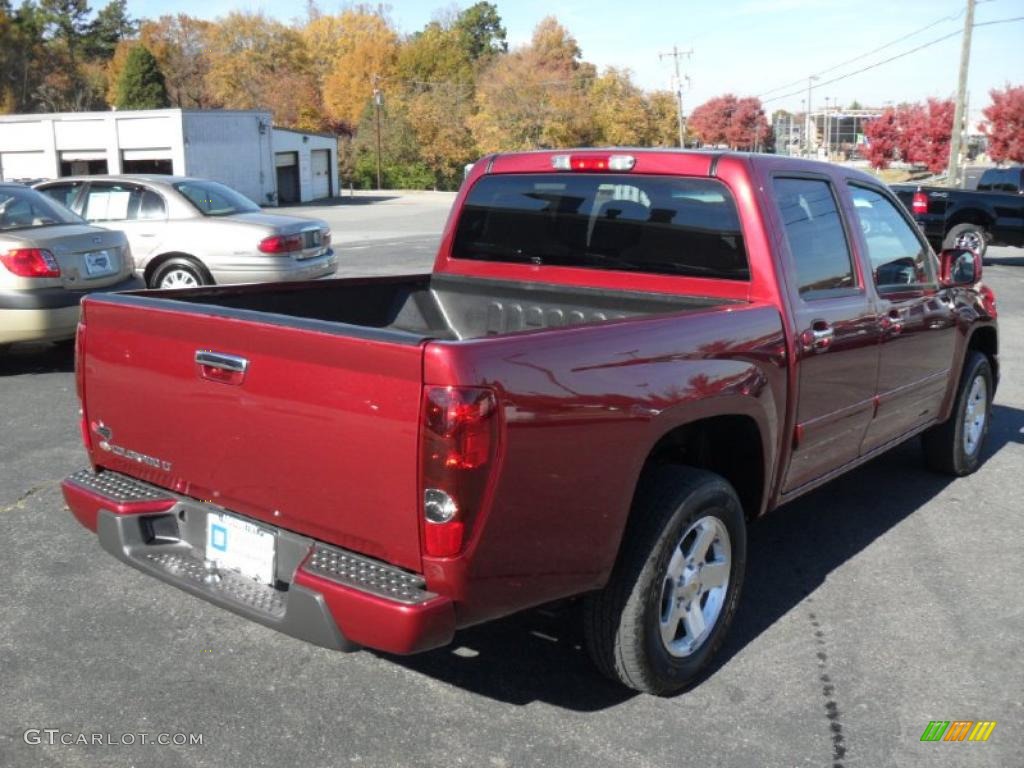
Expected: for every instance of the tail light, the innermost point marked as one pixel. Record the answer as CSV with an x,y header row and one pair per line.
x,y
920,202
593,161
278,244
30,262
460,441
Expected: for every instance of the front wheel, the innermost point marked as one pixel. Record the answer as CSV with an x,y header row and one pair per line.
x,y
954,447
973,237
674,590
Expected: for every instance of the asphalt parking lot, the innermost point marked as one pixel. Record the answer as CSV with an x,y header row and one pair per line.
x,y
872,606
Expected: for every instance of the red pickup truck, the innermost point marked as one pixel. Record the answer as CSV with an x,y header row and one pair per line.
x,y
620,359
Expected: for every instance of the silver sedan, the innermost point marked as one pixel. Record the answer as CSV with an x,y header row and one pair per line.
x,y
49,260
186,232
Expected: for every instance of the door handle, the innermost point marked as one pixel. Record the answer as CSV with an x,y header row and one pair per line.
x,y
819,337
218,366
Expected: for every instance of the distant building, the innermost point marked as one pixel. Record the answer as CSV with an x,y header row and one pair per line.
x,y
835,132
238,148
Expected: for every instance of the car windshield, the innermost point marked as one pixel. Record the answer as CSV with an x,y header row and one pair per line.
x,y
24,208
213,199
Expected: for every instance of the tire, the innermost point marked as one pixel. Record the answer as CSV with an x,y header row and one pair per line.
x,y
973,236
675,509
180,272
955,446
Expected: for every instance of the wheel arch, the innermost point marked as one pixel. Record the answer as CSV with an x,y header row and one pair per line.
x,y
158,261
985,339
978,216
732,445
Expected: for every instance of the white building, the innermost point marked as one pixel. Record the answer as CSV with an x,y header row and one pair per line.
x,y
306,165
237,148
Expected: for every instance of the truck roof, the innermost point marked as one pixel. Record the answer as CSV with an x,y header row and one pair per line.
x,y
663,159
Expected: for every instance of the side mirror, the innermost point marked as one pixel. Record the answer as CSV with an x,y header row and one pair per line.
x,y
959,266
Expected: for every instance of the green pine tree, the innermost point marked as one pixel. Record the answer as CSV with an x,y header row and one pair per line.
x,y
141,85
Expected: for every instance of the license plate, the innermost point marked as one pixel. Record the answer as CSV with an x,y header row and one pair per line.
x,y
99,263
240,546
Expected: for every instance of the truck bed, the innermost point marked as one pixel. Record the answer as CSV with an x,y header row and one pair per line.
x,y
412,309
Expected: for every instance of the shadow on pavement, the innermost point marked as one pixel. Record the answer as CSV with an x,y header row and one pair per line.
x,y
538,655
38,358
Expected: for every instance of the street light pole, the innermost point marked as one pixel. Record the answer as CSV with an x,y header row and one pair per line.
x,y
807,129
960,113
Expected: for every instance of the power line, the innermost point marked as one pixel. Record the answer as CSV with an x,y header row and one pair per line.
x,y
952,17
891,58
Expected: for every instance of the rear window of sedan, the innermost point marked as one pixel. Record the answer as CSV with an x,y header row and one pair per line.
x,y
213,199
24,208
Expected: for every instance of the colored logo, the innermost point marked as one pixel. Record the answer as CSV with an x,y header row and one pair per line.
x,y
219,537
958,730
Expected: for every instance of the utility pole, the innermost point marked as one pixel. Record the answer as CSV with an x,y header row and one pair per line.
x,y
810,123
378,100
960,113
677,80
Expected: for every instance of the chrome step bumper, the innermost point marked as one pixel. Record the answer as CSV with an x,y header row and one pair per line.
x,y
323,594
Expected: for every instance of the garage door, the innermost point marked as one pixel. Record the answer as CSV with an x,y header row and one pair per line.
x,y
22,165
321,161
287,176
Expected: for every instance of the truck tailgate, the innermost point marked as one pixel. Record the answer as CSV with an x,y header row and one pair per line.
x,y
318,435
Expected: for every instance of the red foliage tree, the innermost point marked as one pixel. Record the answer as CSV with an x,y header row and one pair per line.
x,y
738,123
916,133
1004,124
925,133
882,135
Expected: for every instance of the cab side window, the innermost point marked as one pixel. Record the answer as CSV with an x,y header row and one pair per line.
x,y
817,241
899,258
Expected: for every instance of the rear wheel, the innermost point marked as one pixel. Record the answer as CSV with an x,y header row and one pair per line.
x,y
954,447
970,236
179,272
674,590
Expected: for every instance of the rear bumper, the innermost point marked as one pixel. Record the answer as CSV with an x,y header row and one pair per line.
x,y
270,269
324,595
46,314
37,324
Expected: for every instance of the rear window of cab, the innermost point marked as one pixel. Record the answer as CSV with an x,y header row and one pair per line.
x,y
652,224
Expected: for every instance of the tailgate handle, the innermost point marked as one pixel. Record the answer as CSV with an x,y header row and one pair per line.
x,y
219,366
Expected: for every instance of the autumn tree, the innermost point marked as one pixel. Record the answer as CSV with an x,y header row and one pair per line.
x,y
663,108
401,164
259,63
141,84
925,133
434,78
882,135
737,123
619,110
915,133
1004,124
356,53
535,96
182,46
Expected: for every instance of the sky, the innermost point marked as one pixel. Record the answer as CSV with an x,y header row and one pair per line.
x,y
746,47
